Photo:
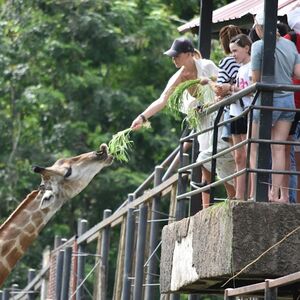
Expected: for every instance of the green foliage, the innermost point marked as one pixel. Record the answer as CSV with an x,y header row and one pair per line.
x,y
203,94
73,74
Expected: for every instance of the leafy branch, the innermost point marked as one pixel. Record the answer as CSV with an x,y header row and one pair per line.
x,y
203,93
120,144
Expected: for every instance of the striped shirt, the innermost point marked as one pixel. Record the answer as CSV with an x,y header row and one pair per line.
x,y
228,69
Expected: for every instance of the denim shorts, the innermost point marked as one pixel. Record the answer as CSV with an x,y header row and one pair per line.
x,y
286,101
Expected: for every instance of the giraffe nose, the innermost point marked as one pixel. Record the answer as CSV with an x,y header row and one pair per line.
x,y
102,152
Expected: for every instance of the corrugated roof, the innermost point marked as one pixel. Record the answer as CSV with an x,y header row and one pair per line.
x,y
238,9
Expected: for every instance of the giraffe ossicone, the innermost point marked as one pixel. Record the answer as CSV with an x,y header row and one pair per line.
x,y
65,179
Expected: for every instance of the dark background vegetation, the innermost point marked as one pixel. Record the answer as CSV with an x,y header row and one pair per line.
x,y
73,73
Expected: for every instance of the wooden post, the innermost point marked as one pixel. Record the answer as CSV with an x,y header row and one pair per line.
x,y
45,280
30,277
120,263
105,241
82,228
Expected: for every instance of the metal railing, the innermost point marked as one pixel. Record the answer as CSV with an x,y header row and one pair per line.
x,y
141,214
269,288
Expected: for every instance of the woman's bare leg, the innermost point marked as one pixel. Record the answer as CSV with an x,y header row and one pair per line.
x,y
206,176
240,163
280,132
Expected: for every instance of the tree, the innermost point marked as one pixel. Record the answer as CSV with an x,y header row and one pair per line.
x,y
75,73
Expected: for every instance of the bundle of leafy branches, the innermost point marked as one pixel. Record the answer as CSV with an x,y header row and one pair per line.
x,y
203,93
120,144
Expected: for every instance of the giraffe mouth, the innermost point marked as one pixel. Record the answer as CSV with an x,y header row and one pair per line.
x,y
102,154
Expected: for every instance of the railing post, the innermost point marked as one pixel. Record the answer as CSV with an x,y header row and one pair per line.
x,y
195,205
140,252
263,157
129,240
226,297
45,280
105,241
81,229
6,294
30,277
182,186
270,293
66,273
14,290
214,151
59,270
152,264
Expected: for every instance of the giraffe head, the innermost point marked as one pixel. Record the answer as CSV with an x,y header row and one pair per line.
x,y
69,176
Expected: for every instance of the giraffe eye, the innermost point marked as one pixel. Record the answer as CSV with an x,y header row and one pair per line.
x,y
69,172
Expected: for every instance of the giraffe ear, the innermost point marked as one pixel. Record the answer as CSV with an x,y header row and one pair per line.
x,y
37,169
48,171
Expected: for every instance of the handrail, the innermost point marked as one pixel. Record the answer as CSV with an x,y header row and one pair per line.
x,y
268,283
244,92
32,283
91,234
217,106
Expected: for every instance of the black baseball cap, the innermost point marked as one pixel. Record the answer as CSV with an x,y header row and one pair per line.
x,y
180,45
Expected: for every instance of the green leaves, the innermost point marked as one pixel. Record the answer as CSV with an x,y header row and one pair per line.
x,y
120,144
203,94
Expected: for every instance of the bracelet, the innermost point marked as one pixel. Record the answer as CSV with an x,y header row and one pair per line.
x,y
143,118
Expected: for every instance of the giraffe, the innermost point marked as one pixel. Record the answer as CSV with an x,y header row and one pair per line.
x,y
60,182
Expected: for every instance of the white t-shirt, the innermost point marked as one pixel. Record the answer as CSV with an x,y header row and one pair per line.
x,y
243,80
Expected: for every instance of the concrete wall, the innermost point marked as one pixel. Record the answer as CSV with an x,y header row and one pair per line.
x,y
200,253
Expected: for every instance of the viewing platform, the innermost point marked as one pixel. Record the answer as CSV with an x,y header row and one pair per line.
x,y
202,253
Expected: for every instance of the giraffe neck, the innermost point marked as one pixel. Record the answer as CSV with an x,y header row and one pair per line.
x,y
19,231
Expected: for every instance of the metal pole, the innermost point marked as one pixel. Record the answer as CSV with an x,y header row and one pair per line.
x,y
206,8
6,294
215,149
175,297
59,270
105,241
81,229
14,290
66,273
182,186
140,253
270,293
268,67
153,266
1,295
57,241
129,240
195,205
30,277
